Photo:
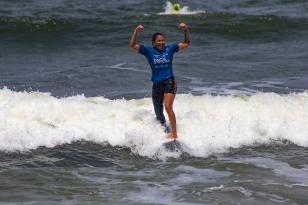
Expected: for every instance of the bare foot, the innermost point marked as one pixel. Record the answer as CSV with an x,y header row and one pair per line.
x,y
171,135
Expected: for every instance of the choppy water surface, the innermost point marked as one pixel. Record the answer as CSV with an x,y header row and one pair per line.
x,y
77,124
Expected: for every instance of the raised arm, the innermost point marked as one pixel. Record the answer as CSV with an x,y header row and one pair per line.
x,y
186,42
133,41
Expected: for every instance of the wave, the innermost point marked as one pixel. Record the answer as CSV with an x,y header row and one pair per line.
x,y
216,23
34,24
206,124
242,25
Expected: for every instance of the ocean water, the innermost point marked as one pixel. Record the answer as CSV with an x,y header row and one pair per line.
x,y
77,124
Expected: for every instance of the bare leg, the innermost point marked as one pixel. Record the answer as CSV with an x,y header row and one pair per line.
x,y
168,101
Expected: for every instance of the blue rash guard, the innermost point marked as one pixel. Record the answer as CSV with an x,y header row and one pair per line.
x,y
160,60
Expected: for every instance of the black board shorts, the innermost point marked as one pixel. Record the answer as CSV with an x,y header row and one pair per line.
x,y
158,90
166,86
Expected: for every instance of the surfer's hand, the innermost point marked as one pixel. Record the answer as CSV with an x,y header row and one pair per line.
x,y
139,28
183,26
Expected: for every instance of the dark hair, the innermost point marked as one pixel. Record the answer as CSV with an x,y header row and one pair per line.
x,y
155,35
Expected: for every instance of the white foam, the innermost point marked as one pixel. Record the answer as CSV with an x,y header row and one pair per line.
x,y
183,11
206,124
121,66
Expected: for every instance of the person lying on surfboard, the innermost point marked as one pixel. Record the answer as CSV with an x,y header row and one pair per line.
x,y
160,56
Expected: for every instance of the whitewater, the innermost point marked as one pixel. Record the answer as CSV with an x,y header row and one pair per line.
x,y
207,124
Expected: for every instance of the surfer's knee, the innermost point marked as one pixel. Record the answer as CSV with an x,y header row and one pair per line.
x,y
168,108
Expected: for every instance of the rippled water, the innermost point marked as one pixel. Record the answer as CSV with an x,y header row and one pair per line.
x,y
77,124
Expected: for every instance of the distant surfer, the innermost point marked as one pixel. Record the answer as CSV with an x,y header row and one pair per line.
x,y
176,8
160,58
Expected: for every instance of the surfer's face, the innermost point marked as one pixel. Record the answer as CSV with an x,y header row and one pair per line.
x,y
159,42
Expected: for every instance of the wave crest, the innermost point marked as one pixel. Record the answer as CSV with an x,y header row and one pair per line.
x,y
206,124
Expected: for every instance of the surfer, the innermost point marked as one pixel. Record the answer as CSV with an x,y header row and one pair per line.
x,y
176,8
160,58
